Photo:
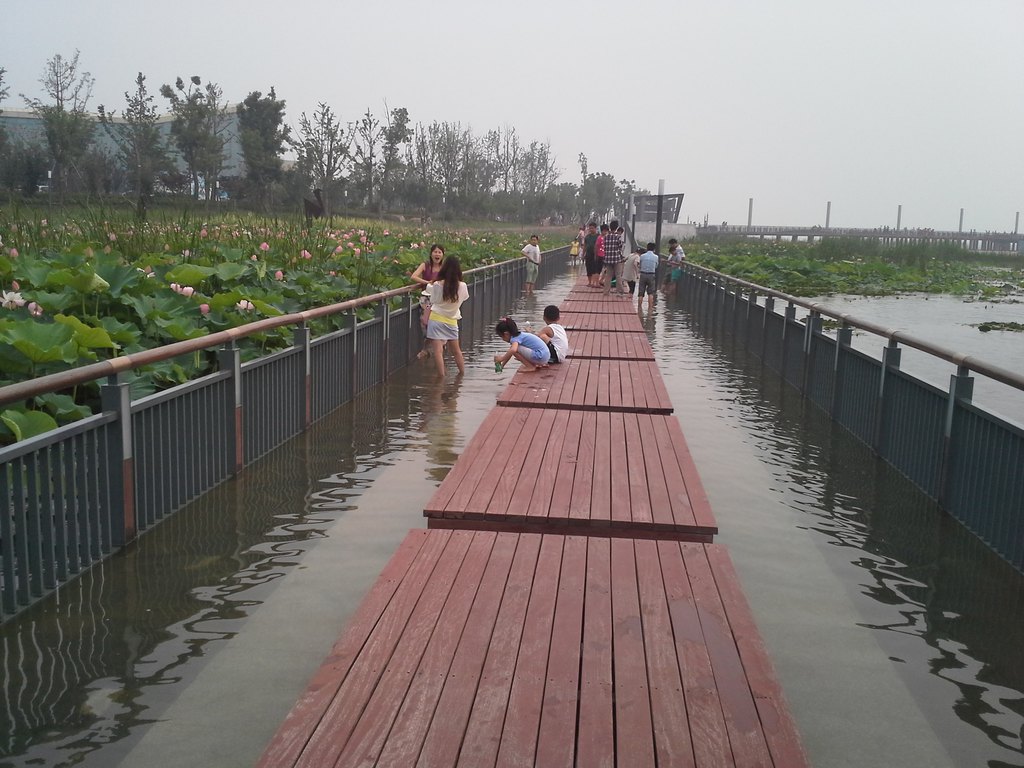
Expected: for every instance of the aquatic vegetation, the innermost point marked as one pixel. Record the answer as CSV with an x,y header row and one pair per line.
x,y
865,268
92,287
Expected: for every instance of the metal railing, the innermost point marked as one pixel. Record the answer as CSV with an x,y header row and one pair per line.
x,y
73,496
967,459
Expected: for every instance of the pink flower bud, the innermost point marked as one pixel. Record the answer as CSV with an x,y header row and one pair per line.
x,y
254,257
339,249
14,253
362,239
332,273
279,275
264,247
245,305
187,290
204,309
306,254
350,244
175,287
15,286
386,233
356,251
202,232
113,237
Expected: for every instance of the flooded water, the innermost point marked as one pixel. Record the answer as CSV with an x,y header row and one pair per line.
x,y
896,634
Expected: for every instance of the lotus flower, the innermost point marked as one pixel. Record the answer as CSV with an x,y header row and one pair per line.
x,y
175,287
204,309
14,253
356,251
339,249
264,246
11,300
245,305
306,254
112,237
187,290
279,275
15,286
35,310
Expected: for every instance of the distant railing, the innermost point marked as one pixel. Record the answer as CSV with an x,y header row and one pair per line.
x,y
964,457
72,496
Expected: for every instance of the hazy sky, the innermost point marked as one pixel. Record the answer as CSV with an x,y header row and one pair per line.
x,y
868,104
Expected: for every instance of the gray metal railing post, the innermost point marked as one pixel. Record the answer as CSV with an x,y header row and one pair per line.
x,y
812,327
116,396
382,313
844,338
769,308
890,362
353,363
229,358
302,338
789,319
961,389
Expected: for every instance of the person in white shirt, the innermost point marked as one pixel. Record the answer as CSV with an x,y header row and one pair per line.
x,y
532,254
446,296
553,334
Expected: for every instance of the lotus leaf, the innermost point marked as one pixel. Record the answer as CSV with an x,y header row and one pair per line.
x,y
118,276
41,342
230,271
87,336
189,274
26,424
122,333
62,407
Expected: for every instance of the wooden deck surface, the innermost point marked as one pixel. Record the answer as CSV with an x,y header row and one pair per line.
x,y
607,323
602,305
506,649
600,473
589,384
599,345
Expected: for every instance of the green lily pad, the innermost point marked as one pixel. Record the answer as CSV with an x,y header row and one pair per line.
x,y
26,424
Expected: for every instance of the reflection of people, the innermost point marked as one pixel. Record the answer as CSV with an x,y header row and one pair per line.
x,y
524,347
425,274
553,334
446,296
532,253
439,423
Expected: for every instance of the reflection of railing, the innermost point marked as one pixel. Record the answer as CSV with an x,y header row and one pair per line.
x,y
72,496
967,459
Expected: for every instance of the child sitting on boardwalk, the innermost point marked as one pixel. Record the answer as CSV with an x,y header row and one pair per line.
x,y
524,347
554,335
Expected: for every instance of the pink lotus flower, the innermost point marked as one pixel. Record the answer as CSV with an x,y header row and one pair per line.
x,y
264,247
14,253
350,244
306,254
356,251
362,239
187,290
113,237
186,253
35,310
386,233
279,275
11,300
204,309
15,286
175,287
339,249
245,305
254,257
332,273
202,232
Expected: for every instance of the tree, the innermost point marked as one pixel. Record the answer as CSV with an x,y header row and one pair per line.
x,y
198,129
67,125
140,147
396,134
323,151
421,161
3,95
503,145
368,134
263,135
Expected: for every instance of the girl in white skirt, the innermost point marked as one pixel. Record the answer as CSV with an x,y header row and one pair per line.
x,y
446,296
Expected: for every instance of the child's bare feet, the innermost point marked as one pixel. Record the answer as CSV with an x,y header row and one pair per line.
x,y
527,368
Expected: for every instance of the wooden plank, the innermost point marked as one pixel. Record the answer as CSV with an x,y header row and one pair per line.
x,y
741,717
699,502
601,498
556,740
580,502
472,460
547,470
483,733
300,723
562,493
502,477
522,719
672,740
657,488
621,506
709,736
473,492
777,723
342,715
408,691
636,476
595,737
678,498
444,736
634,743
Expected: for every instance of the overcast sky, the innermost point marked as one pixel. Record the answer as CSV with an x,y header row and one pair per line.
x,y
869,104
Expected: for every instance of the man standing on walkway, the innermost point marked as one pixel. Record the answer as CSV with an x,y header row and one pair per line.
x,y
590,254
532,254
613,260
648,271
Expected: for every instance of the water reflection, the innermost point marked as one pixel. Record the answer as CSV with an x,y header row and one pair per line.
x,y
947,611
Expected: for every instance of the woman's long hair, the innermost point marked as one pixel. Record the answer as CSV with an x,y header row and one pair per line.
x,y
450,275
428,263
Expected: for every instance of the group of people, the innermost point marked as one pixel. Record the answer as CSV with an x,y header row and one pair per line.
x,y
441,302
610,266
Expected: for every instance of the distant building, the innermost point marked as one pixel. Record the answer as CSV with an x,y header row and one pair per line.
x,y
27,128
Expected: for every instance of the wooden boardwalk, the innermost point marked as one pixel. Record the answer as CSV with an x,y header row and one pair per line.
x,y
590,384
566,606
623,474
501,649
